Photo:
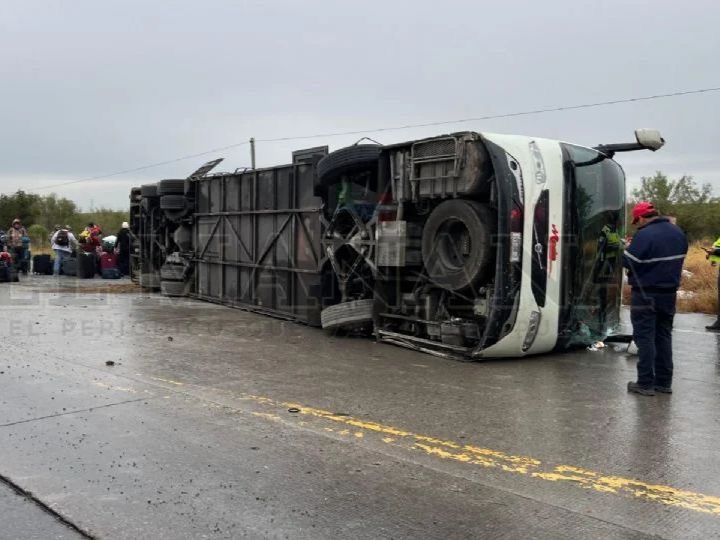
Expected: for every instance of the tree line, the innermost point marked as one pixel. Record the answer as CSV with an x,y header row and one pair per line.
x,y
696,209
692,204
41,213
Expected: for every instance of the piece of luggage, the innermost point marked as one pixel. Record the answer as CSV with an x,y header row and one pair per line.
x,y
110,273
69,267
108,266
5,270
86,265
43,265
107,261
108,243
8,272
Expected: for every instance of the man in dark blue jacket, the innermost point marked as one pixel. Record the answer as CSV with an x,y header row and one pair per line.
x,y
654,260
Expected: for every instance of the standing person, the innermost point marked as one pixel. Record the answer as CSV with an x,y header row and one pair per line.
x,y
62,242
122,247
713,255
90,238
16,236
654,261
55,229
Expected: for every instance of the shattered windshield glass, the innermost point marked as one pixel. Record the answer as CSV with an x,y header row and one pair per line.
x,y
595,225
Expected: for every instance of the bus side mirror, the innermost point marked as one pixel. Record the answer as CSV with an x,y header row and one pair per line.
x,y
649,139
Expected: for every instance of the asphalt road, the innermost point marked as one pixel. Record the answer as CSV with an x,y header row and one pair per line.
x,y
23,518
217,423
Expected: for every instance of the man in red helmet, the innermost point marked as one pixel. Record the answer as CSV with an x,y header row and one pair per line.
x,y
654,261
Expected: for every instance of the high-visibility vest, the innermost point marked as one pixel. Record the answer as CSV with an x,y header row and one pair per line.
x,y
715,255
612,242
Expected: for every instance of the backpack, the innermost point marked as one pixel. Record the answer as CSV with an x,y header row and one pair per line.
x,y
62,238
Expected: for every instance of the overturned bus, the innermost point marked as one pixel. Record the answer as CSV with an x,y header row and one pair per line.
x,y
466,245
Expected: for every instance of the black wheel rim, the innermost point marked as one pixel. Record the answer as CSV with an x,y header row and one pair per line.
x,y
453,244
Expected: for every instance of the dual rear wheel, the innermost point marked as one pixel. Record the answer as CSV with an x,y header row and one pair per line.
x,y
457,248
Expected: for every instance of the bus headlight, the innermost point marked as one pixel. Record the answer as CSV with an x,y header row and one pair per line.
x,y
532,331
538,163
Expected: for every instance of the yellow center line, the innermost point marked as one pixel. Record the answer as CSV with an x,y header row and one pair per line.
x,y
169,381
472,455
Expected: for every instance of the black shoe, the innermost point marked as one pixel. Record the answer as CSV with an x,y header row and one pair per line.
x,y
635,388
663,389
714,327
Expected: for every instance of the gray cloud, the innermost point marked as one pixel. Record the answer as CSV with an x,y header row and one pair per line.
x,y
90,88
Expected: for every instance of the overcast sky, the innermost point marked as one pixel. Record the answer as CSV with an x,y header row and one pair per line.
x,y
89,88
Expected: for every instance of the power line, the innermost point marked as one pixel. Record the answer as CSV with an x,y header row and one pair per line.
x,y
395,128
496,116
143,167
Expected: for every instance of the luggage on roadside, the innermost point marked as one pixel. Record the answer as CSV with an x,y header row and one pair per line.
x,y
86,265
69,267
7,272
43,265
108,266
108,260
108,243
111,273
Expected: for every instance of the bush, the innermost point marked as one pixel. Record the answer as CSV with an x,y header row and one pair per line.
x,y
696,210
109,220
38,235
698,289
699,283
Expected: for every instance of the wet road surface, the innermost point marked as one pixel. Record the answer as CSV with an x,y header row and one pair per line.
x,y
216,423
23,518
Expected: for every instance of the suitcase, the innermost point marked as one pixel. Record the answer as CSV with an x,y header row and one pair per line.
x,y
69,267
110,273
108,266
8,272
108,261
5,270
86,265
43,265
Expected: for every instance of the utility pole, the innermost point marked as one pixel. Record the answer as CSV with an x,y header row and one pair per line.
x,y
252,152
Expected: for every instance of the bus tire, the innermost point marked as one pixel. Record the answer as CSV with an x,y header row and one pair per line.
x,y
172,272
171,187
149,190
457,250
353,159
173,202
149,280
354,315
173,288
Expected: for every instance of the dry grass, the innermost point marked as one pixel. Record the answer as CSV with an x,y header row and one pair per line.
x,y
123,288
702,283
41,250
700,287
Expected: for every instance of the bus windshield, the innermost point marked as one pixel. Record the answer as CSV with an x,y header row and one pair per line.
x,y
594,227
